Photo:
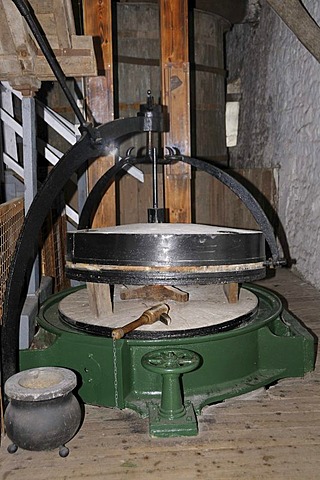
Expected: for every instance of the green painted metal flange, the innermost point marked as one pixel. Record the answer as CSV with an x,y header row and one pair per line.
x,y
272,346
159,426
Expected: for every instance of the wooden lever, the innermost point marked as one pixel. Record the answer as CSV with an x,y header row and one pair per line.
x,y
152,315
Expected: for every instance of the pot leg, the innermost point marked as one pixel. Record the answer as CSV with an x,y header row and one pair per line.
x,y
12,448
63,451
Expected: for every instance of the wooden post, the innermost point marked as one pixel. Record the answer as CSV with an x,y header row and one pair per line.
x,y
100,101
30,170
176,95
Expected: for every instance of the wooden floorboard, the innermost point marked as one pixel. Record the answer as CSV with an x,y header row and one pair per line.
x,y
268,434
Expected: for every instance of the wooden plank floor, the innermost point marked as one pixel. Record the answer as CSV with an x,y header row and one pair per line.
x,y
270,434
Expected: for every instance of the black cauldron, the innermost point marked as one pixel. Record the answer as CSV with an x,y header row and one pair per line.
x,y
43,413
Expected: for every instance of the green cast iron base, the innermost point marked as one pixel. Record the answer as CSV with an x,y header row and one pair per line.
x,y
272,346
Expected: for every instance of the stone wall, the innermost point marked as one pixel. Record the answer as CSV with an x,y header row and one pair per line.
x,y
280,123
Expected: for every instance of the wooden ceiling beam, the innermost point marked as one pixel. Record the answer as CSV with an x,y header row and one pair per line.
x,y
21,60
300,22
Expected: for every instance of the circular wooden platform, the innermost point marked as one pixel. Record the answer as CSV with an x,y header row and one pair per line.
x,y
207,307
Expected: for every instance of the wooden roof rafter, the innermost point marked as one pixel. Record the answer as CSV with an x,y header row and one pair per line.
x,y
296,16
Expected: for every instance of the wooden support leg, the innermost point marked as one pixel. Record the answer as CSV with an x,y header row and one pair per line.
x,y
231,291
100,299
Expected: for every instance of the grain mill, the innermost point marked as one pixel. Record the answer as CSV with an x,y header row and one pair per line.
x,y
165,321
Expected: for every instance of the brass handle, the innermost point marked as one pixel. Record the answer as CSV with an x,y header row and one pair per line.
x,y
149,316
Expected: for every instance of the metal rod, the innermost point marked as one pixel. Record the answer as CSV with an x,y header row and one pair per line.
x,y
155,178
149,143
24,8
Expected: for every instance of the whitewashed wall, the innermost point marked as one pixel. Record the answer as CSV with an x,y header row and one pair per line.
x,y
280,124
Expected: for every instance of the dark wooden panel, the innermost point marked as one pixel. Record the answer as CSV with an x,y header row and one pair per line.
x,y
137,61
138,67
208,87
232,10
214,204
138,70
135,197
217,205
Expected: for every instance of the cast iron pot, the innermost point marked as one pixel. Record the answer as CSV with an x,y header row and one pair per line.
x,y
43,413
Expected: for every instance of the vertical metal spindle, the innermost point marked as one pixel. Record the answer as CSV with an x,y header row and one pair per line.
x,y
154,178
